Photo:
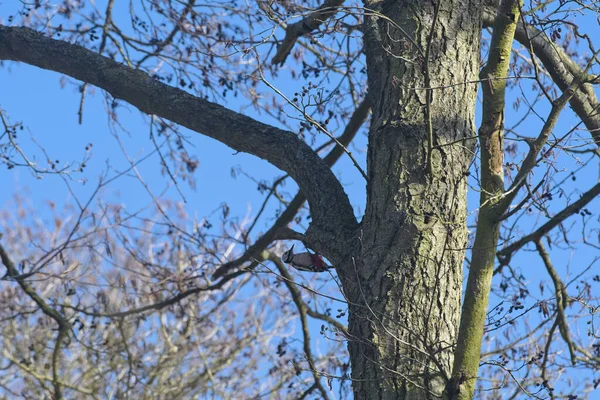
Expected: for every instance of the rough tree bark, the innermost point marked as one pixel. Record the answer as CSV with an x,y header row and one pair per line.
x,y
492,203
404,284
402,268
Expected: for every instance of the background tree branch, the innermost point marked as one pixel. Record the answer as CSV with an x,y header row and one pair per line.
x,y
303,27
63,325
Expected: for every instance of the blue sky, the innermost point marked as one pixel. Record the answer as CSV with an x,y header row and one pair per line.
x,y
49,113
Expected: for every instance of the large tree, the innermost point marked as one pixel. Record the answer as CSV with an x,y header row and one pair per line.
x,y
415,67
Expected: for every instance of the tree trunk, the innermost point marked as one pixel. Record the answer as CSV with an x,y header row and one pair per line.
x,y
404,284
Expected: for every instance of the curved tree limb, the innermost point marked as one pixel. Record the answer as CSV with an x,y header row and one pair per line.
x,y
253,252
333,220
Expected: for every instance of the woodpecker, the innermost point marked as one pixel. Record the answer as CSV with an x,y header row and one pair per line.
x,y
310,262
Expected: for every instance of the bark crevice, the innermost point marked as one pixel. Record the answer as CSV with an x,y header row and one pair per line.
x,y
407,290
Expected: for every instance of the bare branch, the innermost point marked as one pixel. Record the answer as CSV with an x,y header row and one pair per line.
x,y
332,214
253,252
303,27
562,298
289,283
302,311
531,160
162,304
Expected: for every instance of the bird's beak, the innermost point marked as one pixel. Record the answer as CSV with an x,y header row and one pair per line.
x,y
291,248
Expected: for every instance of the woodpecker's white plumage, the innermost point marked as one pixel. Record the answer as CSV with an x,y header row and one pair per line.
x,y
305,261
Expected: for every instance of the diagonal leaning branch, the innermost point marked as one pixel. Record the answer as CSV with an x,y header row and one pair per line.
x,y
491,133
332,214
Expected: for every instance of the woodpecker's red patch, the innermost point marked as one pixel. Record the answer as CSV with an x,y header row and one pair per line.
x,y
318,262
